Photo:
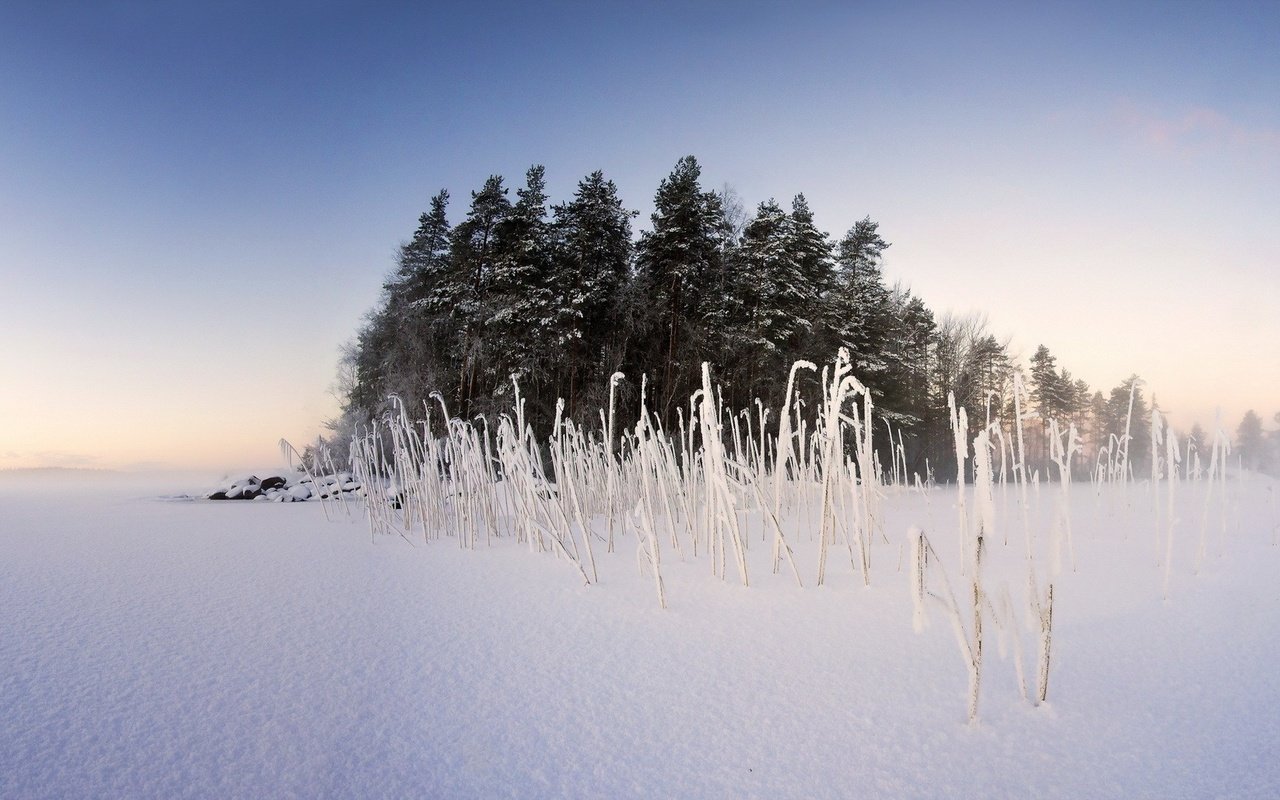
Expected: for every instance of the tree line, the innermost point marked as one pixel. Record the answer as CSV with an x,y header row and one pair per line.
x,y
562,296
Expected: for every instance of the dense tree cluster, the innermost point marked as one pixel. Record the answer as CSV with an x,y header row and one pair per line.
x,y
563,296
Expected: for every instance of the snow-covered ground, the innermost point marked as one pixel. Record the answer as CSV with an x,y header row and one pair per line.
x,y
152,647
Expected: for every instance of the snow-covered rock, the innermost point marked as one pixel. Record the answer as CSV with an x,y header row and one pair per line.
x,y
285,488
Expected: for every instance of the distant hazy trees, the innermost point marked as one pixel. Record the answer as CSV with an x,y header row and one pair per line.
x,y
1251,443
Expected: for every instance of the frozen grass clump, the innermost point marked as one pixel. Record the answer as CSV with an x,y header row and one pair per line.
x,y
804,481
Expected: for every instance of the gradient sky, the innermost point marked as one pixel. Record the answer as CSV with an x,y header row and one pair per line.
x,y
198,202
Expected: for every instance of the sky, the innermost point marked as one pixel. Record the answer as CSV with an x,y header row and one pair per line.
x,y
199,202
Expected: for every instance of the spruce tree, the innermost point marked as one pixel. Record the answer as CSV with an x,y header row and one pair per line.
x,y
988,368
592,269
422,265
519,300
719,315
764,297
417,302
371,365
474,251
1046,385
859,305
1048,398
395,350
674,259
906,390
809,252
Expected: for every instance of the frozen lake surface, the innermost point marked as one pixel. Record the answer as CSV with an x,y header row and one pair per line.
x,y
153,647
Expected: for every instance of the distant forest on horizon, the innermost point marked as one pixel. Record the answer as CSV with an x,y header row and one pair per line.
x,y
563,296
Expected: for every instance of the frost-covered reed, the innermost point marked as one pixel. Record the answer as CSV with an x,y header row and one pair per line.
x,y
803,480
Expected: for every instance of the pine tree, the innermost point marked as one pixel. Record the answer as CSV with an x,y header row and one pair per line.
x,y
474,251
371,365
417,306
395,351
987,369
1079,401
592,270
810,252
765,296
968,362
1079,414
861,315
1053,394
423,262
520,299
1046,385
673,261
905,399
1139,427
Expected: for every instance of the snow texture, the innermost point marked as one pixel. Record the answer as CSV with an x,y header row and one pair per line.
x,y
202,649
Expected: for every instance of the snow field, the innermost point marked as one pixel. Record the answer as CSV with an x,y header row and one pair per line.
x,y
164,649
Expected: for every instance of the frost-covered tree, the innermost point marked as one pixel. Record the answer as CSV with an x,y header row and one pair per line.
x,y
520,293
674,261
965,356
475,250
592,270
987,368
401,347
721,322
907,394
563,301
422,265
971,364
371,364
811,253
859,307
419,296
765,296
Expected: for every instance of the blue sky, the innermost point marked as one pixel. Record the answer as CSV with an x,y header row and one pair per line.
x,y
198,204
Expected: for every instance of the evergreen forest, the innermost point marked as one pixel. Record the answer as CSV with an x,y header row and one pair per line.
x,y
558,297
